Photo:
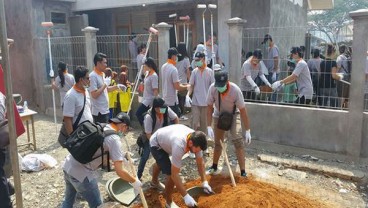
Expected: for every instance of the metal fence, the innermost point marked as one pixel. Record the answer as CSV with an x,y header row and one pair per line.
x,y
328,91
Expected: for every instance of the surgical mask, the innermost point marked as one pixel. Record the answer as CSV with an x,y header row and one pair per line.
x,y
221,89
162,110
85,85
120,134
294,61
198,63
176,60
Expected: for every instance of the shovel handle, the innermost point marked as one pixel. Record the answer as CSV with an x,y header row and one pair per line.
x,y
228,164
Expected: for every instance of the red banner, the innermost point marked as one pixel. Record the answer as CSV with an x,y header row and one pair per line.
x,y
18,121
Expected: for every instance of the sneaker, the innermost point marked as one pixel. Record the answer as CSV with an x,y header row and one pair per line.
x,y
172,205
192,155
183,118
244,175
160,186
212,171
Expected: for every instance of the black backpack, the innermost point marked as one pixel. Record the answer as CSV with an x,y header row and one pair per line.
x,y
86,140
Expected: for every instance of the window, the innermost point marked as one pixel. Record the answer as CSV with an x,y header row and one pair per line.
x,y
58,18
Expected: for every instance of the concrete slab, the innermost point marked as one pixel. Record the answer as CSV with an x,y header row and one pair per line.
x,y
353,175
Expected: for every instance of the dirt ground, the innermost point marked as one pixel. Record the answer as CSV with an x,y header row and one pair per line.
x,y
270,185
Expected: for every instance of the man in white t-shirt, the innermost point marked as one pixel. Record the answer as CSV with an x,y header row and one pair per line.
x,y
170,81
99,86
224,97
176,140
76,100
81,178
301,75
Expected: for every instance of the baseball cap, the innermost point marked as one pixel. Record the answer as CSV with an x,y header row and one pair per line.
x,y
266,38
221,78
121,118
158,103
199,55
173,51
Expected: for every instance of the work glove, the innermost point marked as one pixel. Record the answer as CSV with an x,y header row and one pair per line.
x,y
189,201
340,75
247,137
108,81
207,188
122,87
137,185
188,102
276,86
210,133
257,90
273,77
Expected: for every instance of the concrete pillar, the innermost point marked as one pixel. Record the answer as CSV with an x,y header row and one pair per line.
x,y
91,45
236,25
224,13
356,101
163,45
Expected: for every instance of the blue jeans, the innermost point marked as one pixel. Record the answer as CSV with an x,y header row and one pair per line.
x,y
273,97
88,189
144,158
140,112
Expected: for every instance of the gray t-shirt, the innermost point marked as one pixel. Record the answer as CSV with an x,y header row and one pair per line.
x,y
169,75
69,82
342,63
182,67
314,65
304,81
201,82
150,83
80,171
73,104
173,140
139,61
209,52
101,104
231,97
248,70
273,52
159,123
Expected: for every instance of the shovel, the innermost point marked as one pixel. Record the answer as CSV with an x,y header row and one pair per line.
x,y
227,163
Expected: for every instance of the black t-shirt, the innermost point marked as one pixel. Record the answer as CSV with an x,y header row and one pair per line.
x,y
326,80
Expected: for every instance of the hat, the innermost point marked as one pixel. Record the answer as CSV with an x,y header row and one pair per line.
x,y
121,118
295,50
199,55
158,103
173,51
266,38
221,78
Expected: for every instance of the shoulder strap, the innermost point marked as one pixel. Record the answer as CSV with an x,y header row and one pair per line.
x,y
80,114
219,100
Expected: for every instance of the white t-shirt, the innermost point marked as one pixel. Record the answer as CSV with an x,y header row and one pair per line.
x,y
209,53
73,104
169,75
232,97
182,67
248,70
80,171
139,61
304,81
69,82
173,140
150,83
201,82
342,63
101,104
159,123
2,107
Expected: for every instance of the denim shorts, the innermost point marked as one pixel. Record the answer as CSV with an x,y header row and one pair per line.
x,y
162,159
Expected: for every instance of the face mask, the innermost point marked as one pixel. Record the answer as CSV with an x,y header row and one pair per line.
x,y
221,89
176,60
199,63
120,134
85,85
162,110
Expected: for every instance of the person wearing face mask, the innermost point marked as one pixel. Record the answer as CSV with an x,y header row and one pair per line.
x,y
224,97
170,81
157,117
81,178
200,81
252,69
77,101
301,75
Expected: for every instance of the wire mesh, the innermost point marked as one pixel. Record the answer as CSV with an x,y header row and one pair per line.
x,y
328,91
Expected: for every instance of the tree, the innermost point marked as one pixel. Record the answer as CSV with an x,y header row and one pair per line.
x,y
332,21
